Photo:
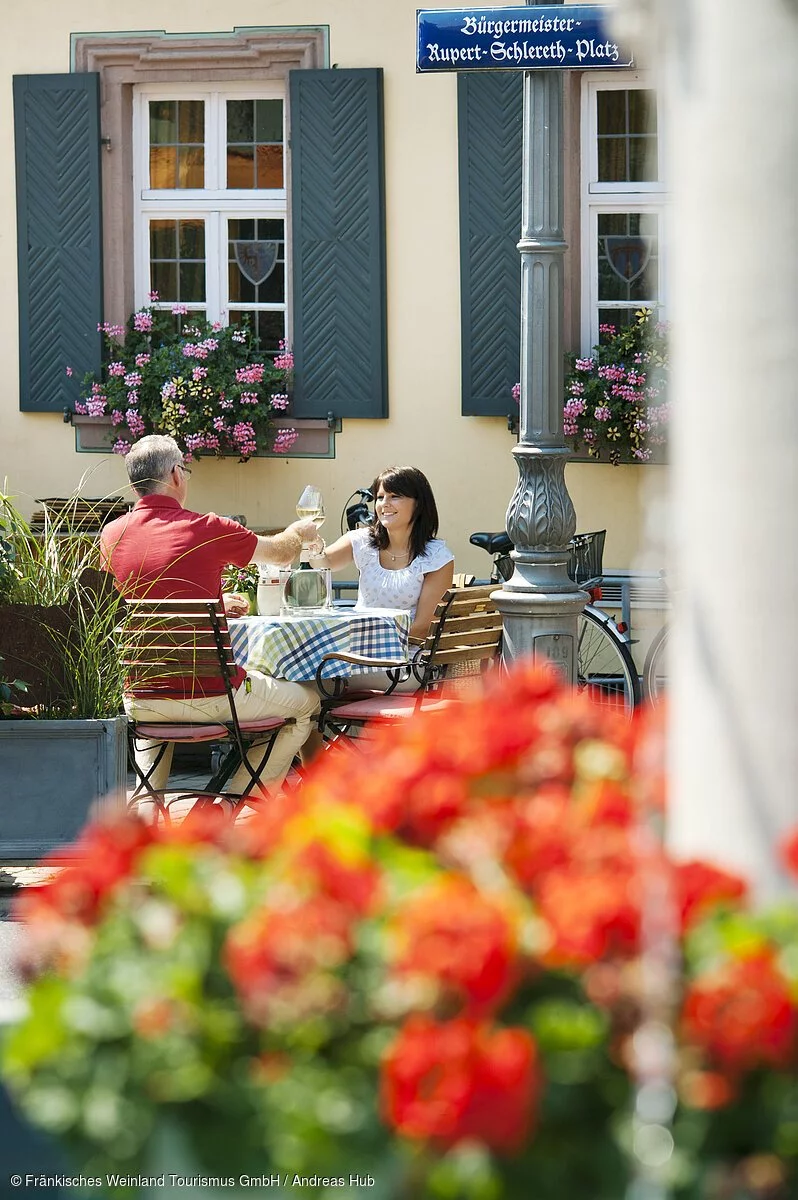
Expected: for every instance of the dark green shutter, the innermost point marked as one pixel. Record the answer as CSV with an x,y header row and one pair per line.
x,y
338,243
490,114
57,135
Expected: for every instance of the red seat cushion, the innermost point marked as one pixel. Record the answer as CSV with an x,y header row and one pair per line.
x,y
385,708
177,732
263,724
180,733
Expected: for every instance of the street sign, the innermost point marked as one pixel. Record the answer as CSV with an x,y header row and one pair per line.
x,y
571,37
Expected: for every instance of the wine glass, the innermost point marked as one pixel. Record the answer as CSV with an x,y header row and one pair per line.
x,y
310,506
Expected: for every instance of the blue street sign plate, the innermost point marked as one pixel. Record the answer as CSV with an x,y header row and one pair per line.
x,y
570,37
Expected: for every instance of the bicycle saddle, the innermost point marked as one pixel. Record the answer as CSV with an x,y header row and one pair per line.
x,y
494,543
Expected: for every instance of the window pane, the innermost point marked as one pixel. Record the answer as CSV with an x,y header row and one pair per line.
x,y
240,166
177,144
240,289
191,121
269,120
191,168
619,318
256,264
192,281
240,121
627,135
612,159
191,239
177,260
270,167
255,144
642,158
268,328
628,268
163,239
163,279
642,111
163,122
611,112
163,166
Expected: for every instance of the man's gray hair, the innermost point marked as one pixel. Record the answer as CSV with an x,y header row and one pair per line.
x,y
149,462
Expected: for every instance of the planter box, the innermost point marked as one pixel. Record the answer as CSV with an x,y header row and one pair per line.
x,y
52,775
95,435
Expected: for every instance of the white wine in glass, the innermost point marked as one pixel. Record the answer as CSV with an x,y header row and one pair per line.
x,y
310,506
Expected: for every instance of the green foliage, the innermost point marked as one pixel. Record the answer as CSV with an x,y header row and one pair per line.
x,y
7,689
60,568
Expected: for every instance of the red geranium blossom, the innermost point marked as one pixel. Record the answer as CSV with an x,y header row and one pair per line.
x,y
104,856
789,852
456,1080
460,937
700,885
591,914
743,1014
281,959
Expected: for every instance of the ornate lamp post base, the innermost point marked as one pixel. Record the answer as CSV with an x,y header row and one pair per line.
x,y
540,605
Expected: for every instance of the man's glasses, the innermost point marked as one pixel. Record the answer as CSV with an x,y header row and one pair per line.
x,y
184,468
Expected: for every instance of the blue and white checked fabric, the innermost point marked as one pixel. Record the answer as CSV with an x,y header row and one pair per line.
x,y
293,647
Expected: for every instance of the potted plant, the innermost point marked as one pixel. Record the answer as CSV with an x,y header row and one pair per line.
x,y
62,742
426,975
207,385
243,581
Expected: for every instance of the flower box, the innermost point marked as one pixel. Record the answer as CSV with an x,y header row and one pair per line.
x,y
207,385
95,435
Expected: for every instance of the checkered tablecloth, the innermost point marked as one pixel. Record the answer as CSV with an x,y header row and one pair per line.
x,y
293,647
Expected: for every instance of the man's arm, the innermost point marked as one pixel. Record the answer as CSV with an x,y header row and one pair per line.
x,y
282,548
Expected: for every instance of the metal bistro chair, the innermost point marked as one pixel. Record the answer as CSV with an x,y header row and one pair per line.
x,y
165,642
464,637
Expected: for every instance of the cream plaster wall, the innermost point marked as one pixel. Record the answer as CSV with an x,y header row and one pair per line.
x,y
467,459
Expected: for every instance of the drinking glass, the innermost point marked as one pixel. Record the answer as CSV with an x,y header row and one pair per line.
x,y
310,505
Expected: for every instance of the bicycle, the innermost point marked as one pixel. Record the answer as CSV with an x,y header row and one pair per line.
x,y
604,660
655,667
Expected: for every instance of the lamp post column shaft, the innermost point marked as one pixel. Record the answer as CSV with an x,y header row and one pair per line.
x,y
540,605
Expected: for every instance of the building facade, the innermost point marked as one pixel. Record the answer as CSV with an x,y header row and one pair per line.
x,y
156,145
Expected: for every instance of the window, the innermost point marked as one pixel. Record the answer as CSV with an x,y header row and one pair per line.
x,y
623,202
210,203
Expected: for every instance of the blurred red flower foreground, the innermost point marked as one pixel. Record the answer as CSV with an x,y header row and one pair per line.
x,y
426,964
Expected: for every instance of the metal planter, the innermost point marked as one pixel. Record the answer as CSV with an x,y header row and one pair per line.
x,y
54,776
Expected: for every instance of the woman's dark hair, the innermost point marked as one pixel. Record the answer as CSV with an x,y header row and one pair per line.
x,y
407,481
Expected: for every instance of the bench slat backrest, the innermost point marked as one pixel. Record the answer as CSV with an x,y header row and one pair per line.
x,y
466,628
168,640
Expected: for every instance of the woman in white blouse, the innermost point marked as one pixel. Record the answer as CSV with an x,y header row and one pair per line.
x,y
402,564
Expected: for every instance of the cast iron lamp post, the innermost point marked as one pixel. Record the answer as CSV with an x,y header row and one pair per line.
x,y
540,605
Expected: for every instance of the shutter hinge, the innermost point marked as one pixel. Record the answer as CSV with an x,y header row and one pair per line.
x,y
512,422
67,416
331,420
105,141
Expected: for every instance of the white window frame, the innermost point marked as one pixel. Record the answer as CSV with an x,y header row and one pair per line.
x,y
644,196
216,203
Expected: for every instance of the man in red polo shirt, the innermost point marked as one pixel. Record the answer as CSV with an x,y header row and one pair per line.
x,y
164,551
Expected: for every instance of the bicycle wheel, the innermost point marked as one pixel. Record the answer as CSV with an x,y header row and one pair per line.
x,y
604,662
655,671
